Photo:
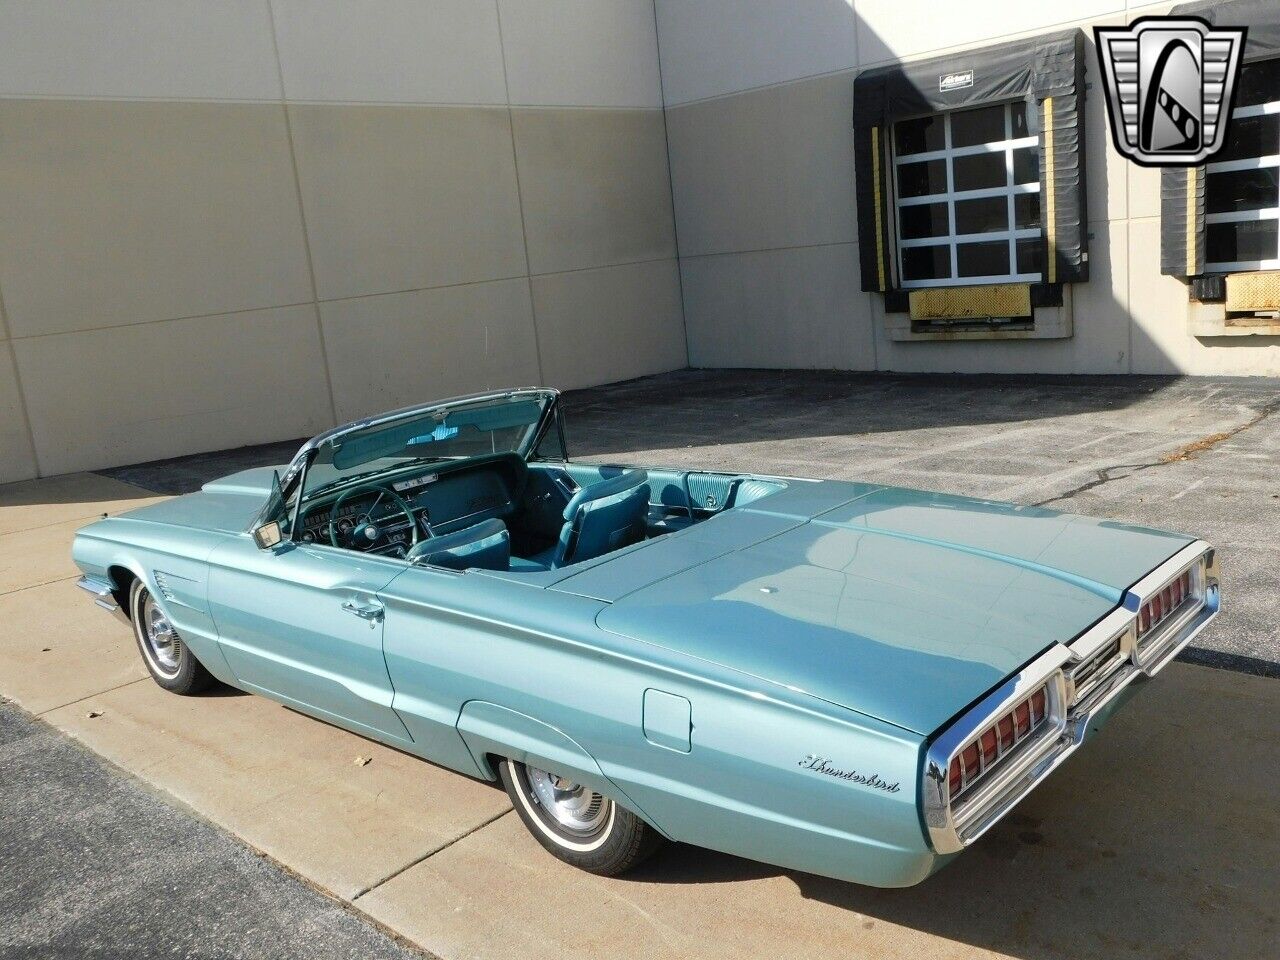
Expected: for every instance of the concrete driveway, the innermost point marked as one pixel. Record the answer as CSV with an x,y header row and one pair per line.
x,y
1161,840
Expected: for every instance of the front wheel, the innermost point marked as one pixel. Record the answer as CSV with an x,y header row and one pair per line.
x,y
169,661
578,825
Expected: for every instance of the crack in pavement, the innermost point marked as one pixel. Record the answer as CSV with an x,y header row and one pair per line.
x,y
430,853
1183,453
88,696
1105,475
1188,450
43,583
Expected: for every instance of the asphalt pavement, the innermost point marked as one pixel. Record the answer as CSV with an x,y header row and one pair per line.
x,y
93,864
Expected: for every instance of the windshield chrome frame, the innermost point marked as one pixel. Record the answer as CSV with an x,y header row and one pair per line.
x,y
295,474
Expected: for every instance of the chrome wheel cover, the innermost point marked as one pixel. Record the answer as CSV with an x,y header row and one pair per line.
x,y
159,639
573,808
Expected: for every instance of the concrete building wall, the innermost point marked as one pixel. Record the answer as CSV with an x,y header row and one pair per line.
x,y
759,98
233,222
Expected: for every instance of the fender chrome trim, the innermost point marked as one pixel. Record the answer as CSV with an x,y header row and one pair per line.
x,y
103,595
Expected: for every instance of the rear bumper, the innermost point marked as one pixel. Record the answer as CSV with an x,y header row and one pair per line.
x,y
1072,715
104,595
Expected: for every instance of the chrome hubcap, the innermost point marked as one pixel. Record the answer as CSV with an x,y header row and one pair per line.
x,y
572,806
161,639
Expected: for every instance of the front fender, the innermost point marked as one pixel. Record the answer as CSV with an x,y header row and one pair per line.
x,y
148,552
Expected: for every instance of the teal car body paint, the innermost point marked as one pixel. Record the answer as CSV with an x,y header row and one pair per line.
x,y
842,678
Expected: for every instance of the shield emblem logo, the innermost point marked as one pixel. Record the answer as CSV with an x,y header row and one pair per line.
x,y
1169,84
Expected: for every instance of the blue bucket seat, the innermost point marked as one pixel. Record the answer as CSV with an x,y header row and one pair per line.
x,y
601,517
485,545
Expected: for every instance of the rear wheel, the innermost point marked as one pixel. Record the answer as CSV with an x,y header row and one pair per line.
x,y
578,825
169,661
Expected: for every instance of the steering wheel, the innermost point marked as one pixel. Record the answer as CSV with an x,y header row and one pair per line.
x,y
364,531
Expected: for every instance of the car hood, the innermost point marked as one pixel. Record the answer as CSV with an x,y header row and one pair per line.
x,y
226,505
900,605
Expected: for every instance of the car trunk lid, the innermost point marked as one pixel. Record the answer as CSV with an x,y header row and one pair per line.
x,y
903,606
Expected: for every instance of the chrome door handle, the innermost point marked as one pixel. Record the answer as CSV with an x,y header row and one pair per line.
x,y
370,610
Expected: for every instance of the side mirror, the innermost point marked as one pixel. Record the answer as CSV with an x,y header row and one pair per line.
x,y
267,535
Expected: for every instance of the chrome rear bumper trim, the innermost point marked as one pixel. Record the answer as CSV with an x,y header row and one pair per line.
x,y
952,829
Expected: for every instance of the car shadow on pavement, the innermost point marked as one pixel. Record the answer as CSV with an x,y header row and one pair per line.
x,y
220,689
1137,847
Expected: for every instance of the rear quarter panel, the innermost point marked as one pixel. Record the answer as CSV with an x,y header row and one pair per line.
x,y
743,787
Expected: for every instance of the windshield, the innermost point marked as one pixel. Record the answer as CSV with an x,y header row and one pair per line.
x,y
456,432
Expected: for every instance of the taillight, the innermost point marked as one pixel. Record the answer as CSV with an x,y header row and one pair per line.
x,y
996,740
1164,602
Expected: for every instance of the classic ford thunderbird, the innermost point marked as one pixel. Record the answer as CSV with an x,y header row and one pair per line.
x,y
843,678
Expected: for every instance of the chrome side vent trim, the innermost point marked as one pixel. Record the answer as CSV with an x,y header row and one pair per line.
x,y
162,584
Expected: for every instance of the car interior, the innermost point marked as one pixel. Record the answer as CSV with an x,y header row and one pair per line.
x,y
498,512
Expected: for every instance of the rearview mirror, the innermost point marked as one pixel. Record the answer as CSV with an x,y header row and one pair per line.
x,y
267,535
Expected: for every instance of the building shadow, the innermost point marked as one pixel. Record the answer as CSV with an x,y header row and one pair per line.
x,y
702,408
77,489
179,475
696,408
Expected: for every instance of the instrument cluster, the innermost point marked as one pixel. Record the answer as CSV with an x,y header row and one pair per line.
x,y
392,522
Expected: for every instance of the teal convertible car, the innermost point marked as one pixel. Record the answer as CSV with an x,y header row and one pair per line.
x,y
843,678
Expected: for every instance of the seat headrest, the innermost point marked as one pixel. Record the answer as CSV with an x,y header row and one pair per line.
x,y
614,486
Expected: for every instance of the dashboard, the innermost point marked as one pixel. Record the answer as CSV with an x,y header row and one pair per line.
x,y
442,498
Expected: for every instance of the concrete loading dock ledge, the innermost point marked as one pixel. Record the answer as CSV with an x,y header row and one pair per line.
x,y
1140,847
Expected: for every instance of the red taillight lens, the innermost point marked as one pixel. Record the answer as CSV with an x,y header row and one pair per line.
x,y
1005,729
1164,602
996,741
990,749
1022,718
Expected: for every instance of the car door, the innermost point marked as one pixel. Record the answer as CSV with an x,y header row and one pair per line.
x,y
302,623
437,644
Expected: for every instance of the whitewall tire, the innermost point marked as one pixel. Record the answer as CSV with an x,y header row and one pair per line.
x,y
578,825
169,661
